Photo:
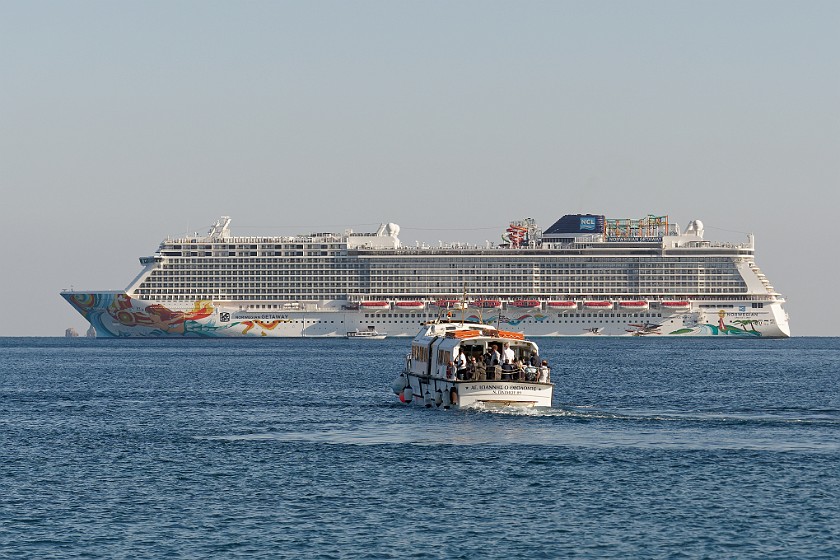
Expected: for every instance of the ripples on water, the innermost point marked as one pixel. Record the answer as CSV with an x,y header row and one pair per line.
x,y
297,448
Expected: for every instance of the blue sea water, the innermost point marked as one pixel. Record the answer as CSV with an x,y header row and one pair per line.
x,y
655,448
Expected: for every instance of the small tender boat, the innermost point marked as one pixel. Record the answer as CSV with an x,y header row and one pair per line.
x,y
430,379
448,304
598,305
370,334
376,305
410,305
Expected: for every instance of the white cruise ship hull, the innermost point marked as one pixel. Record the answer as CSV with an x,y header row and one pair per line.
x,y
116,314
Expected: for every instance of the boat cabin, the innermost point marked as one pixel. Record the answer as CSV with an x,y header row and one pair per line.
x,y
434,348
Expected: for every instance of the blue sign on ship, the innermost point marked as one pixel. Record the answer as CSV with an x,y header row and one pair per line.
x,y
587,223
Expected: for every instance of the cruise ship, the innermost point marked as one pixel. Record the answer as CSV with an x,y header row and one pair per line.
x,y
586,275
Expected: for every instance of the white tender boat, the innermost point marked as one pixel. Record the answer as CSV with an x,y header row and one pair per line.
x,y
430,378
370,334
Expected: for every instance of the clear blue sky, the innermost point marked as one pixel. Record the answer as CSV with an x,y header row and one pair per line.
x,y
122,122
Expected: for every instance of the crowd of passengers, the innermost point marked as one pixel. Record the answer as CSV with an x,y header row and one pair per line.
x,y
499,365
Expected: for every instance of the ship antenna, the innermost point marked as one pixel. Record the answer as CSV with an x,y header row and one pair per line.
x,y
463,303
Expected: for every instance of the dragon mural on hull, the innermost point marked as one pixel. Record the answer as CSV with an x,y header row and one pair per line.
x,y
120,315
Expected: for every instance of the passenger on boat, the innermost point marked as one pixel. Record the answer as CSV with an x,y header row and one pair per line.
x,y
492,363
518,370
531,373
487,360
461,365
509,355
450,370
480,370
472,366
534,360
507,371
545,373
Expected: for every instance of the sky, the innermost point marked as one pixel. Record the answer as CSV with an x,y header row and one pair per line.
x,y
124,122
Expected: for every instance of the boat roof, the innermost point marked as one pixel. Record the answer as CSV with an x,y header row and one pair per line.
x,y
467,330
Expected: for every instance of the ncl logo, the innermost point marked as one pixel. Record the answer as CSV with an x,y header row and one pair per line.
x,y
587,223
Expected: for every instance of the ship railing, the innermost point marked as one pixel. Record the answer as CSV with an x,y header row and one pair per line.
x,y
270,240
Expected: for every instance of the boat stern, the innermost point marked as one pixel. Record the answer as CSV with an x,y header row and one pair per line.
x,y
502,394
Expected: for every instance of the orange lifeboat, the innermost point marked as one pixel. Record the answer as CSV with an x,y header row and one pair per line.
x,y
447,303
598,305
410,304
376,305
675,305
526,303
640,305
463,334
487,304
563,305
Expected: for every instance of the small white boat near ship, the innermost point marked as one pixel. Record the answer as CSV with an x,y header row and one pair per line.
x,y
370,334
430,377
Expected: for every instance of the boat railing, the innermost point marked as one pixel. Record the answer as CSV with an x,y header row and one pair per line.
x,y
494,380
530,374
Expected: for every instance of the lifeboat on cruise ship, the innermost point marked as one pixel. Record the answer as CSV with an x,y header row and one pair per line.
x,y
410,305
486,304
375,305
448,304
675,306
562,305
639,305
598,305
526,303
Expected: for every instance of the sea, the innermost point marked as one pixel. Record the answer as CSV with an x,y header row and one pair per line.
x,y
298,448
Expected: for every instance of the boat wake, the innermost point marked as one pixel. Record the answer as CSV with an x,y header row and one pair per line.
x,y
786,417
795,431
